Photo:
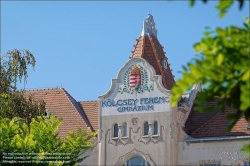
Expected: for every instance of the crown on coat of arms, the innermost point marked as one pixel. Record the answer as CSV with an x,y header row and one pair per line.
x,y
135,70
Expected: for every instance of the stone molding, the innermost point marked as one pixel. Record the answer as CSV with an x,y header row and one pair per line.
x,y
134,153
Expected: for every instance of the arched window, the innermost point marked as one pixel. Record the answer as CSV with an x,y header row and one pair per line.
x,y
136,161
116,130
124,134
146,128
155,128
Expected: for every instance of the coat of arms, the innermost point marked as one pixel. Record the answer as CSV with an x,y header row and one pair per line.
x,y
135,80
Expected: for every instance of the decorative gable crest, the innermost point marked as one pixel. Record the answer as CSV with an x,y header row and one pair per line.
x,y
136,80
136,89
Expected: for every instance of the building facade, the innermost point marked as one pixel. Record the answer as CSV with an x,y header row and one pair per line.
x,y
137,126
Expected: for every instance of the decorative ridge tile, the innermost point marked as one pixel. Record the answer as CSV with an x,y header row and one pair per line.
x,y
42,89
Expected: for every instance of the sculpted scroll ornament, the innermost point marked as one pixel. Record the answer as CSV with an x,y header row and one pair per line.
x,y
118,140
155,139
134,121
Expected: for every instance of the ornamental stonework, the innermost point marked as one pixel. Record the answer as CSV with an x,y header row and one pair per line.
x,y
136,81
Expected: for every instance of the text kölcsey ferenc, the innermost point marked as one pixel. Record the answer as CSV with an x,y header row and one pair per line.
x,y
128,105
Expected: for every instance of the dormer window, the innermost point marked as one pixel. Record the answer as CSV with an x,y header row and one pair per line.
x,y
248,126
47,114
165,63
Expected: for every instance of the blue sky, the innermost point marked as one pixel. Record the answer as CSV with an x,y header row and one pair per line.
x,y
81,46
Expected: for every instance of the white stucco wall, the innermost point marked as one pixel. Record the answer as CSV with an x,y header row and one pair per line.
x,y
225,152
154,149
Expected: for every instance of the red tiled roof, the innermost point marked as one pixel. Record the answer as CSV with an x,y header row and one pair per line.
x,y
213,124
63,105
91,111
149,48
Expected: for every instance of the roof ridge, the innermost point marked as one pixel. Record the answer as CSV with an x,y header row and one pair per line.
x,y
157,60
135,46
86,114
88,101
74,103
43,89
205,123
83,111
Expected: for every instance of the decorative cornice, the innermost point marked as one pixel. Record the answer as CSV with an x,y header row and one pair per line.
x,y
217,139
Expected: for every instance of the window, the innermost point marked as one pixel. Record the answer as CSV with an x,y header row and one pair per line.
x,y
47,114
136,161
247,163
146,128
155,128
116,130
211,164
248,126
124,133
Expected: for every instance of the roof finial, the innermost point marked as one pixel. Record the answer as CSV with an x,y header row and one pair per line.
x,y
149,27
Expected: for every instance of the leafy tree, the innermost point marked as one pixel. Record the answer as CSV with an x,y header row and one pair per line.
x,y
222,67
41,139
22,130
13,68
223,5
16,104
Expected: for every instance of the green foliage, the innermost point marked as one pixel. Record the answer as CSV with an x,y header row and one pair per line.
x,y
22,129
42,137
246,149
13,67
223,66
17,105
77,144
223,5
13,103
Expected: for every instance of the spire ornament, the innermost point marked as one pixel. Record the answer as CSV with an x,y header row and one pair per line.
x,y
149,27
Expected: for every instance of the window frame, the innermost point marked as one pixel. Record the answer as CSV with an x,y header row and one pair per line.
x,y
115,130
143,160
155,133
145,133
124,128
246,163
210,164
